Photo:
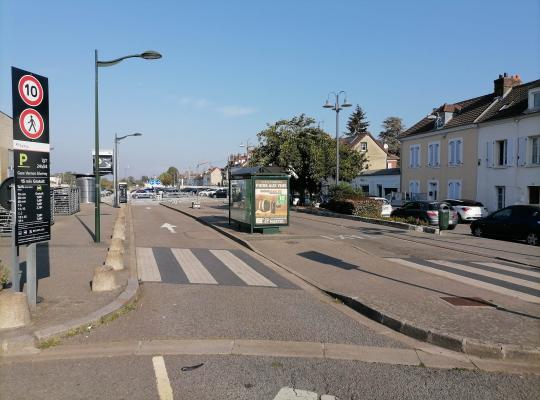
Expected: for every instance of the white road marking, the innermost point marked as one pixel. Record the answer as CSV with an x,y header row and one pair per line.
x,y
147,268
241,269
162,379
194,270
464,279
168,226
287,393
511,269
506,278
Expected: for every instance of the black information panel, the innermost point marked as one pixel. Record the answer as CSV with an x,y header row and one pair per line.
x,y
32,189
31,157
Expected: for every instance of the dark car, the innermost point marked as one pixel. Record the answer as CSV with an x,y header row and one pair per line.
x,y
519,222
427,211
219,194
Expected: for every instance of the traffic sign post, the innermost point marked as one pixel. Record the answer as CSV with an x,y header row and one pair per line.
x,y
32,205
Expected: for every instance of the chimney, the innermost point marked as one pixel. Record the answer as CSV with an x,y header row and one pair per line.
x,y
503,85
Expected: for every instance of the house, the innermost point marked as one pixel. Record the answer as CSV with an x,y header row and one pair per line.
x,y
212,177
376,155
378,182
6,144
447,155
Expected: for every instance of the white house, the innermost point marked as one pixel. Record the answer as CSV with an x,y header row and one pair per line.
x,y
509,151
378,182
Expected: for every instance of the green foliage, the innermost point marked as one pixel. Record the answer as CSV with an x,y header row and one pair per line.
x,y
344,191
392,128
308,150
166,179
105,183
357,123
4,275
368,207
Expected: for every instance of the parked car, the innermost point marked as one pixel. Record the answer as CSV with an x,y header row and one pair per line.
x,y
468,210
142,194
386,207
427,211
519,222
219,194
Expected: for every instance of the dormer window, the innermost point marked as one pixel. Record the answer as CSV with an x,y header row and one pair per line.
x,y
534,99
363,146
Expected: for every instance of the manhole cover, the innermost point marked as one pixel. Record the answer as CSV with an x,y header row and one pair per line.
x,y
467,301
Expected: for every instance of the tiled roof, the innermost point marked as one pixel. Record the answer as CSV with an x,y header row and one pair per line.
x,y
380,172
478,109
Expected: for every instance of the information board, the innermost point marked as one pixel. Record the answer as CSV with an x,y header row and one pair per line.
x,y
271,206
31,157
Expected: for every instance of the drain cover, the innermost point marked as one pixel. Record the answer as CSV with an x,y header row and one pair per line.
x,y
467,301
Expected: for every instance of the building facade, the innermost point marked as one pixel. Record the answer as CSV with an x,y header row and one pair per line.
x,y
6,144
376,155
378,182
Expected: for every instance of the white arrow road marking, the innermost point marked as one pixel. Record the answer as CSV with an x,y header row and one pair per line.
x,y
287,393
162,379
168,226
148,208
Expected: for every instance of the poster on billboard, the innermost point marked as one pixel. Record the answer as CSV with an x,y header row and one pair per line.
x,y
105,162
271,197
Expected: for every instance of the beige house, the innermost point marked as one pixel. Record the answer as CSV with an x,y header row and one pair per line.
x,y
376,155
213,177
440,154
6,143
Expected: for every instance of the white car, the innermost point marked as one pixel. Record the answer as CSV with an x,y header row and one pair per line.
x,y
386,206
468,210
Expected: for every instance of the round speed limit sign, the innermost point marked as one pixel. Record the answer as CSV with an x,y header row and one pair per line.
x,y
30,90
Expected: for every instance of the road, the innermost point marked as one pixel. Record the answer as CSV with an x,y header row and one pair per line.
x,y
215,321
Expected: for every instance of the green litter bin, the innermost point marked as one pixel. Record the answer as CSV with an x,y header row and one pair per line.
x,y
444,219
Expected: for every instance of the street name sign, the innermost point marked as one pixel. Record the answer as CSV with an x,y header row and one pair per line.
x,y
31,157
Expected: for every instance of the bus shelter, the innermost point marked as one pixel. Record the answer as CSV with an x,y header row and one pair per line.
x,y
259,198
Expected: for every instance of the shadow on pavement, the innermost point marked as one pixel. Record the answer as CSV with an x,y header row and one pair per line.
x,y
86,227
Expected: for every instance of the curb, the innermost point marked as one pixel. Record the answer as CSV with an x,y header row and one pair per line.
x,y
472,347
400,225
25,344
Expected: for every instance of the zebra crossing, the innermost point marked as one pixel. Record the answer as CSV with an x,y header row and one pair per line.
x,y
231,267
517,281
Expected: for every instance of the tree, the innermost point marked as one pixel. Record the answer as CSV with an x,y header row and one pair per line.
x,y
144,179
357,123
299,145
392,128
106,184
166,179
173,172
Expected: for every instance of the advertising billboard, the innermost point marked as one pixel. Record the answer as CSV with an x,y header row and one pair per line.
x,y
271,202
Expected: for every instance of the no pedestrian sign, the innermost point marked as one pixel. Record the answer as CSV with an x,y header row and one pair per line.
x,y
30,111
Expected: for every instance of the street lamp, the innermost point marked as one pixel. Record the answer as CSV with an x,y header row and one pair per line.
x,y
115,171
247,146
147,55
337,108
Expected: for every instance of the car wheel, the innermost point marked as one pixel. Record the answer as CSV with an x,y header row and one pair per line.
x,y
532,239
478,232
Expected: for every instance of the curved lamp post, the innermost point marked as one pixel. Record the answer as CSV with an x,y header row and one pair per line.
x,y
147,55
337,108
115,171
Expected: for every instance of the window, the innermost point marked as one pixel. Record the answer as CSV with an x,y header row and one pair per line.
x,y
503,214
534,99
363,146
433,190
414,187
454,189
455,152
501,152
500,196
414,156
535,149
534,194
434,154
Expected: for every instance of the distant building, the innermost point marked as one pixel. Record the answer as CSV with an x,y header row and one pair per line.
x,y
212,177
376,155
378,182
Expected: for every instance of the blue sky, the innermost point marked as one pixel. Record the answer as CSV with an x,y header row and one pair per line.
x,y
231,67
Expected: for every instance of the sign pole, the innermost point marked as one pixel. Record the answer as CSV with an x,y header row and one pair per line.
x,y
15,269
31,276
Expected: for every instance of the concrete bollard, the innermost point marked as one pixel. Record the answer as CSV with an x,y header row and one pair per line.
x,y
119,232
117,245
14,311
121,220
115,259
104,279
122,212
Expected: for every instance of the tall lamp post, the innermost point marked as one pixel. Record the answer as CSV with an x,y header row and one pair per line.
x,y
247,146
147,55
337,108
115,172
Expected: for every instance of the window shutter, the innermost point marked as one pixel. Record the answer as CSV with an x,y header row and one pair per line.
x,y
437,154
451,152
459,152
430,155
522,151
510,150
489,154
450,190
418,156
411,154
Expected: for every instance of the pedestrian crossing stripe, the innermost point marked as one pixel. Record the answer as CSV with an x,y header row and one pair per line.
x,y
204,266
519,282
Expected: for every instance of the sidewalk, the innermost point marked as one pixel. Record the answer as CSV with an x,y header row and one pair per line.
x,y
395,295
65,268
